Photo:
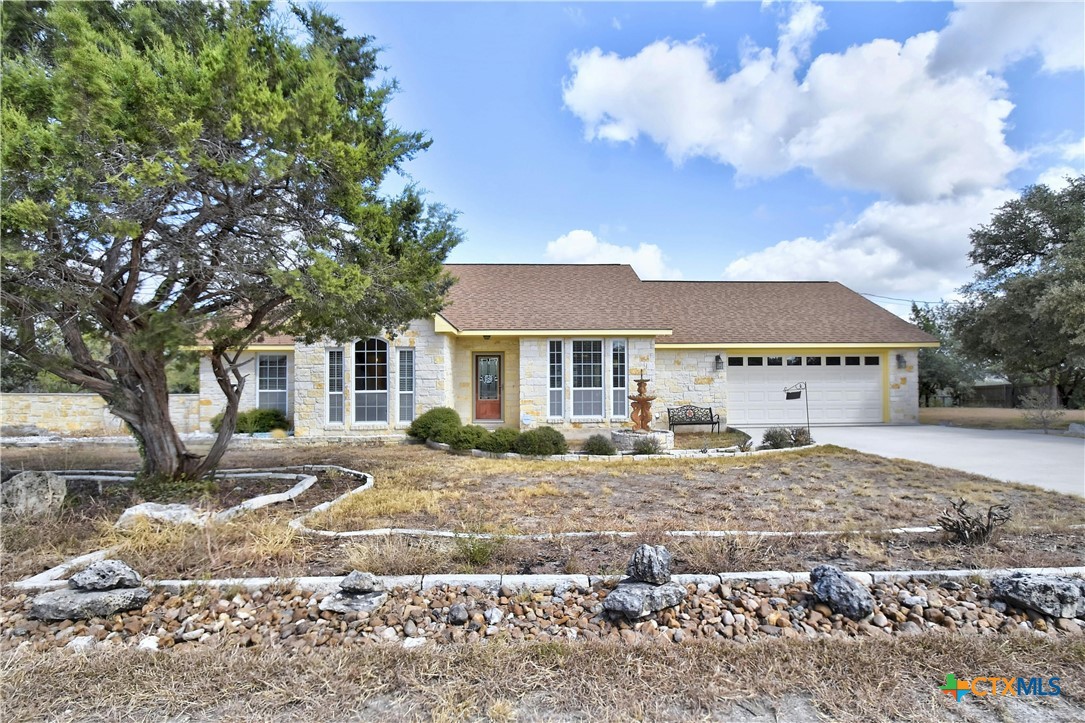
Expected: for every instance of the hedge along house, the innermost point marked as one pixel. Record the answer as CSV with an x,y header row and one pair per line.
x,y
525,345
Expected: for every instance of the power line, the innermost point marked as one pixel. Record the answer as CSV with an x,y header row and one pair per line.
x,y
909,301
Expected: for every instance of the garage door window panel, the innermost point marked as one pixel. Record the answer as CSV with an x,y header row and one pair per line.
x,y
851,361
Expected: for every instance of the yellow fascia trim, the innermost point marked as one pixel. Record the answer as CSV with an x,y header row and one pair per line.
x,y
803,347
250,347
442,325
566,332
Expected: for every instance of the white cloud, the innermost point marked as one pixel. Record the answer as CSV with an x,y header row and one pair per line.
x,y
870,118
616,23
583,247
989,36
1055,177
917,251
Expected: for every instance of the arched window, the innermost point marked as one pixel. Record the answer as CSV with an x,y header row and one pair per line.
x,y
371,381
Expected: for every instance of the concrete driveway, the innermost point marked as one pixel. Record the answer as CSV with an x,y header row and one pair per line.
x,y
1050,461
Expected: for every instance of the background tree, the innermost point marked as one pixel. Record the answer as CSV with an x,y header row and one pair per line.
x,y
944,368
1024,313
174,171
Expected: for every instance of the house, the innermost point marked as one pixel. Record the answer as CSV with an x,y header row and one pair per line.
x,y
524,345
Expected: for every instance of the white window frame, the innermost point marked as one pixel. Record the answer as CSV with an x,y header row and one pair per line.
x,y
551,413
402,393
601,389
285,391
358,382
328,384
617,412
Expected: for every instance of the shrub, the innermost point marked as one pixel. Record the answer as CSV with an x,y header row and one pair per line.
x,y
466,437
776,438
648,445
966,528
598,444
800,437
541,441
1040,411
255,420
423,427
444,432
500,440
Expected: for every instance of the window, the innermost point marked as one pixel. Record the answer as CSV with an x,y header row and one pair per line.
x,y
335,386
618,378
851,361
755,361
588,378
776,361
371,381
557,377
871,361
813,361
271,382
832,361
406,385
794,361
734,361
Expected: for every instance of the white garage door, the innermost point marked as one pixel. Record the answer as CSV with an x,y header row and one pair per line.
x,y
845,389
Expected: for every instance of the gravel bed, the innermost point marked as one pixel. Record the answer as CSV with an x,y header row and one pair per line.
x,y
290,620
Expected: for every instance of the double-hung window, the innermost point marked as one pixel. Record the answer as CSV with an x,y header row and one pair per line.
x,y
406,385
371,381
619,374
587,378
271,382
556,351
335,386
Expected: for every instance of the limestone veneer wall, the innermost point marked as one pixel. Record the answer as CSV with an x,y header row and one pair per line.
x,y
689,376
903,387
432,386
213,401
535,382
462,372
85,414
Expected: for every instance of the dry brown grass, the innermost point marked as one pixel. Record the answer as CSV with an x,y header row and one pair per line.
x,y
989,417
846,680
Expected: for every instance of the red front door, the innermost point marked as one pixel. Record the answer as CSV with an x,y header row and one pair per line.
x,y
488,387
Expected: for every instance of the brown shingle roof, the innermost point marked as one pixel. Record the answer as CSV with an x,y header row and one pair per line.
x,y
775,312
548,296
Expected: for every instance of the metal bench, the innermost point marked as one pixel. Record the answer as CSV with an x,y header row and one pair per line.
x,y
689,414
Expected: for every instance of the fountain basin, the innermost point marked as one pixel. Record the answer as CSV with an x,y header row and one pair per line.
x,y
625,439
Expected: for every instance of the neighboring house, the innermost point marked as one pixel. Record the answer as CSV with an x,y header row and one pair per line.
x,y
524,345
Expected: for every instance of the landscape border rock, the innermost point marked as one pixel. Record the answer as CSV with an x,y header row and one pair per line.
x,y
33,492
1054,595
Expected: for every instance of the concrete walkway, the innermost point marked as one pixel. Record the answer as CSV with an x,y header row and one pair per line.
x,y
1050,461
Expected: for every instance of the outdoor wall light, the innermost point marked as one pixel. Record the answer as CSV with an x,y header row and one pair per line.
x,y
719,363
901,361
486,337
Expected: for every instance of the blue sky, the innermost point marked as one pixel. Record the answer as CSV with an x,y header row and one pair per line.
x,y
855,142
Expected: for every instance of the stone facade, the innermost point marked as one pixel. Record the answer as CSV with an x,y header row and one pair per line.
x,y
903,386
85,414
535,382
213,401
432,387
464,350
689,376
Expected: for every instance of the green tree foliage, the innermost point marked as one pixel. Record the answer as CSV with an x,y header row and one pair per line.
x,y
944,368
1025,311
176,171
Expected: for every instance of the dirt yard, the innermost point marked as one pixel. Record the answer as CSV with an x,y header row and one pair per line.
x,y
789,680
822,488
990,417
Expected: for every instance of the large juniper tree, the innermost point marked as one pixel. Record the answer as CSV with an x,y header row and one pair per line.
x,y
175,171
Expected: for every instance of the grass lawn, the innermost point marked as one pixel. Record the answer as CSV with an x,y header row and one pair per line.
x,y
821,488
990,417
844,680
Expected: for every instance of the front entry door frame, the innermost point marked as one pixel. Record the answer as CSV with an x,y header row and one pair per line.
x,y
488,410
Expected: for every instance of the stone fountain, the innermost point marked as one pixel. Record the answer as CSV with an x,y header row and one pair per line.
x,y
641,415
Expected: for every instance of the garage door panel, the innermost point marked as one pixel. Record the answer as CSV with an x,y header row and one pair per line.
x,y
836,395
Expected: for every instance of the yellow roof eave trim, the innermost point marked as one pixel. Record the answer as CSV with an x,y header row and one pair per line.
x,y
836,345
565,332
